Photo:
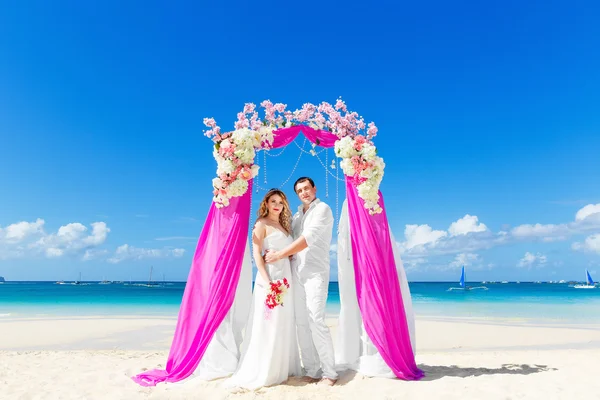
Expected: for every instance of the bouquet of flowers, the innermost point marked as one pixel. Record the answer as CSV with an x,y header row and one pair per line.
x,y
275,295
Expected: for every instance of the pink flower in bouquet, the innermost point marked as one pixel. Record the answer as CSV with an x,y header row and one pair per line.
x,y
276,292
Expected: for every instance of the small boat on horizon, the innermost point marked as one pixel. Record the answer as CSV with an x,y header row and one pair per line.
x,y
463,285
589,282
150,283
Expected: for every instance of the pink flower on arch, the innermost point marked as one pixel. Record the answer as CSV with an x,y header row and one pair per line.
x,y
340,105
372,131
359,140
249,108
242,121
246,173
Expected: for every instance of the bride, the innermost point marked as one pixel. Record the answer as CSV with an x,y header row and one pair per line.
x,y
270,349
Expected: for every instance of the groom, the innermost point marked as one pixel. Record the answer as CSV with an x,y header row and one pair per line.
x,y
312,227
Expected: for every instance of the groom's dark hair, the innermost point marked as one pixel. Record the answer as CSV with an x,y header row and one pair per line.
x,y
304,179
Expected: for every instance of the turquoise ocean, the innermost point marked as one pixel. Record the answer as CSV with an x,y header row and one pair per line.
x,y
526,302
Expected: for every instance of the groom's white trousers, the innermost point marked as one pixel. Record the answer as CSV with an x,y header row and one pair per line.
x,y
314,338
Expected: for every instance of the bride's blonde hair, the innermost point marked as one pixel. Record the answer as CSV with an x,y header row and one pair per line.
x,y
285,218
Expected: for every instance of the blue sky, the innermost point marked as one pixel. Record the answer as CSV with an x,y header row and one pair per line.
x,y
487,114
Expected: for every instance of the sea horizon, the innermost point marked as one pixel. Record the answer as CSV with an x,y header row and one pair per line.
x,y
517,302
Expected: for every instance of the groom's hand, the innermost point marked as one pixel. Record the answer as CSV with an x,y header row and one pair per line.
x,y
272,256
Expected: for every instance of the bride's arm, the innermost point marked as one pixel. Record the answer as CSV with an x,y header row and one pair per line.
x,y
258,234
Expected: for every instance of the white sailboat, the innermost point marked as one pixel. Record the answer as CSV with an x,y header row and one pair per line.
x,y
589,282
77,282
149,284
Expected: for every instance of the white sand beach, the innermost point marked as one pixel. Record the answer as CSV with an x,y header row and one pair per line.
x,y
93,358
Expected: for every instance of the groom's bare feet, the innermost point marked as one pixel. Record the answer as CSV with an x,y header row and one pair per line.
x,y
328,381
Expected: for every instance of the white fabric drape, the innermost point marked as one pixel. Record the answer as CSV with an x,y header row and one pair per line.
x,y
354,348
222,354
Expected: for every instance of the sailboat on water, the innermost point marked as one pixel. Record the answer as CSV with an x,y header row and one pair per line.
x,y
589,282
463,285
77,282
150,283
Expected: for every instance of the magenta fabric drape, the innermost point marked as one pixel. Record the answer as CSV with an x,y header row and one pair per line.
x,y
377,286
209,291
285,136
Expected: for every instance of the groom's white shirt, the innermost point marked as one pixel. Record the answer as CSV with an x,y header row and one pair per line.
x,y
316,225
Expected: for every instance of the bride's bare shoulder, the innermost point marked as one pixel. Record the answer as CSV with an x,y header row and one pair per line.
x,y
260,224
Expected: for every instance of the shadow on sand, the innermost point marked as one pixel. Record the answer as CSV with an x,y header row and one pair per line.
x,y
437,372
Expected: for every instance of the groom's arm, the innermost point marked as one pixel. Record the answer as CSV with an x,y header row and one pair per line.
x,y
296,247
322,221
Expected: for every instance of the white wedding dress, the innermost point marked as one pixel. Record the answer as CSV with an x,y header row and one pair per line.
x,y
270,348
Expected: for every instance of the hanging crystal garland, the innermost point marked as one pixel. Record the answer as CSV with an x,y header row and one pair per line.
x,y
278,154
291,173
265,164
326,174
337,202
326,166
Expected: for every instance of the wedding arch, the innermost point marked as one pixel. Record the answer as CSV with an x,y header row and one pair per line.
x,y
223,246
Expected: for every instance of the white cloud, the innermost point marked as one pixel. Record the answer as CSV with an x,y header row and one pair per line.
x,y
412,264
72,238
29,238
465,225
586,219
546,231
54,252
590,244
419,235
468,234
587,211
532,260
465,259
127,252
93,254
20,231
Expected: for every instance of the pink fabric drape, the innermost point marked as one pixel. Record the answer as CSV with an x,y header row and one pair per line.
x,y
377,286
210,289
285,136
